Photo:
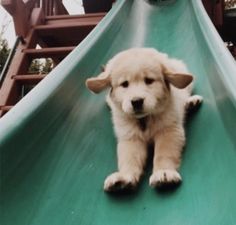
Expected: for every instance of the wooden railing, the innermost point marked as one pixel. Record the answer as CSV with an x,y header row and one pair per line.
x,y
23,12
53,7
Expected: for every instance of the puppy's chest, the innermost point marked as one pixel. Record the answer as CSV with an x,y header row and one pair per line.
x,y
144,129
147,127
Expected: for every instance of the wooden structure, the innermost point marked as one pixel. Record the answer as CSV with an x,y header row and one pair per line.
x,y
215,10
46,30
224,21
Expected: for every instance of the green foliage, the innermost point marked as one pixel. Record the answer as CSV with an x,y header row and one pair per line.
x,y
4,52
230,4
41,66
37,66
48,66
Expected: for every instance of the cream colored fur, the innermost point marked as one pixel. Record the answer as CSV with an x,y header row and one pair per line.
x,y
165,86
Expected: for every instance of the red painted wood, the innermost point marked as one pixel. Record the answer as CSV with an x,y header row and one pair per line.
x,y
45,25
29,78
47,52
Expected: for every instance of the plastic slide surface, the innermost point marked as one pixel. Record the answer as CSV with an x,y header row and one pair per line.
x,y
57,144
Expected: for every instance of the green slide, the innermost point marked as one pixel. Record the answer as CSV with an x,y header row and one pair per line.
x,y
57,144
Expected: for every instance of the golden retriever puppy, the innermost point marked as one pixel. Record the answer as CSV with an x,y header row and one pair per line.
x,y
149,94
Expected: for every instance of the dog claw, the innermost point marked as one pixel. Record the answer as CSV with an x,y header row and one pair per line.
x,y
119,182
193,103
165,178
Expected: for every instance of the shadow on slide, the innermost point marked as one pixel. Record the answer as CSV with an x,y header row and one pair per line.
x,y
57,144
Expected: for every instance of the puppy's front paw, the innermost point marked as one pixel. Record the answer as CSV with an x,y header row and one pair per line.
x,y
193,103
165,178
119,182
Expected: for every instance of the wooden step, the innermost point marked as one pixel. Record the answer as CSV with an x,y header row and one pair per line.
x,y
49,52
79,16
42,29
6,108
29,78
93,17
65,32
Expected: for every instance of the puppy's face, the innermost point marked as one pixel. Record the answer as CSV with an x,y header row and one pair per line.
x,y
138,87
139,82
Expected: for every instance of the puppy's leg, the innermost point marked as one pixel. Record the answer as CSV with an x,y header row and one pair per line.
x,y
131,160
167,157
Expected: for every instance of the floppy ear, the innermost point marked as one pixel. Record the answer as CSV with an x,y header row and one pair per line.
x,y
99,83
179,80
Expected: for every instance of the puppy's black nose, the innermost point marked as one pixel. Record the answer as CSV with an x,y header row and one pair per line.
x,y
137,104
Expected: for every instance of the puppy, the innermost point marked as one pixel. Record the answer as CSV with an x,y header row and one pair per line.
x,y
149,94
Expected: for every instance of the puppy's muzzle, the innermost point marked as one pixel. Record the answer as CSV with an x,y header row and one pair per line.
x,y
137,104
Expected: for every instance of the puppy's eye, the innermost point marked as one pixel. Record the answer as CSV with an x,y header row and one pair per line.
x,y
148,80
124,84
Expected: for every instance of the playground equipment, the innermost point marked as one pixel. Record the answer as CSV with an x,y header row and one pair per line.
x,y
44,29
57,143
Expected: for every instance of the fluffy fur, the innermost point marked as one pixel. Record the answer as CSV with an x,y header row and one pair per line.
x,y
149,94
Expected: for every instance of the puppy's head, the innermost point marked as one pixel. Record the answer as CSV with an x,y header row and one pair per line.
x,y
139,80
